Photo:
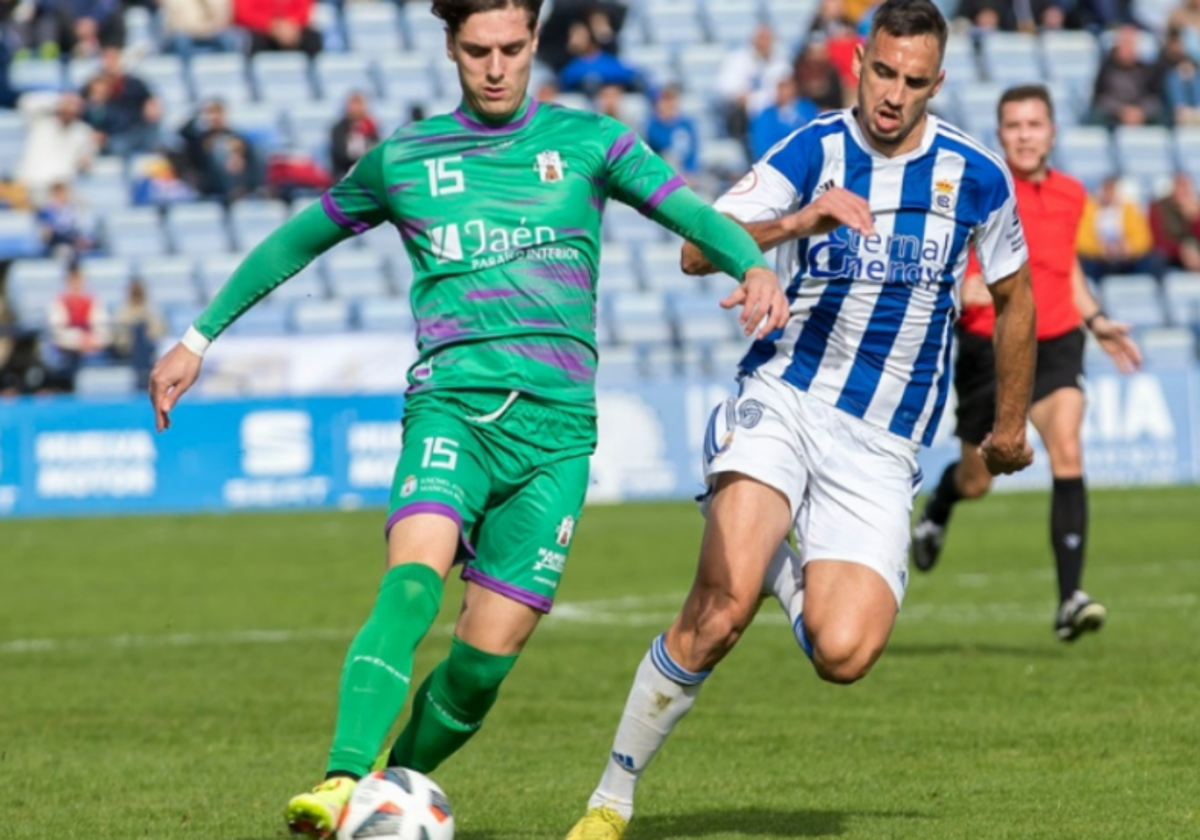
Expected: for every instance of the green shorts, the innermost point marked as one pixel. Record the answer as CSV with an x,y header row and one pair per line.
x,y
511,471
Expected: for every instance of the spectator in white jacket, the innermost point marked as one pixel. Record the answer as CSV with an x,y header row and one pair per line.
x,y
59,145
749,77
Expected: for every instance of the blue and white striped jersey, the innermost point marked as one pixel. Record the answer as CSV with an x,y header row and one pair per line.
x,y
872,318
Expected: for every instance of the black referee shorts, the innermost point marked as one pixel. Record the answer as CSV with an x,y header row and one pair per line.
x,y
1059,365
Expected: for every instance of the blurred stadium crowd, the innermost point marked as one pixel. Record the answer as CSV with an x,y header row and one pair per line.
x,y
145,146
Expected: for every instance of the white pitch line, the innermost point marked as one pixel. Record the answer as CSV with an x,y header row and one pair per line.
x,y
631,611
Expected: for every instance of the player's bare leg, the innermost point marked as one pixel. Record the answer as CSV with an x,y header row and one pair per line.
x,y
849,612
1059,418
964,480
746,523
378,669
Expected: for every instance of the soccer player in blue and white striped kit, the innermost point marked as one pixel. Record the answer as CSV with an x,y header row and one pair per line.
x,y
872,210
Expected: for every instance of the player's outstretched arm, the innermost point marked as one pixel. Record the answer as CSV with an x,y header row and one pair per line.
x,y
1006,450
827,213
1113,336
281,255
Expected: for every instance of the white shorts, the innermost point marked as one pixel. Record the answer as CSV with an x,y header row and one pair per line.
x,y
850,484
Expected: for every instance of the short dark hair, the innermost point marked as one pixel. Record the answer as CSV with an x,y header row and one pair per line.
x,y
906,18
456,12
1024,93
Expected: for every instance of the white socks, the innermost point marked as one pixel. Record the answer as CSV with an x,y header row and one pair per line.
x,y
656,703
785,580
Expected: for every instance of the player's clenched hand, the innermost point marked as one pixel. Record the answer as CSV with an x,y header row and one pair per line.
x,y
1006,455
763,303
172,376
1115,339
831,210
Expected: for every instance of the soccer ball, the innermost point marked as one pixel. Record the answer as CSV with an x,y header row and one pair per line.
x,y
397,804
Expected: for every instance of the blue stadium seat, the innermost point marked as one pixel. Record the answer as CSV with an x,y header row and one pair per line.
x,y
103,187
977,108
307,285
619,367
166,76
262,320
1086,153
140,29
639,319
108,278
19,235
1168,347
325,19
730,22
960,64
281,77
80,71
624,224
220,76
445,78
790,19
383,239
723,359
135,232
35,74
400,270
1182,292
1011,58
168,280
424,33
1134,299
672,24
12,141
309,124
214,270
260,122
725,157
356,274
699,319
373,28
1145,153
618,270
406,77
1071,58
661,271
320,317
700,65
661,362
105,381
390,315
339,74
26,276
251,220
654,60
197,229
180,316
693,361
1187,149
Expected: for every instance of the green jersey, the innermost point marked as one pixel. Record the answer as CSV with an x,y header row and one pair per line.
x,y
502,225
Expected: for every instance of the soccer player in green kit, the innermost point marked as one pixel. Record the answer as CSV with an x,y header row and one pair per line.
x,y
499,207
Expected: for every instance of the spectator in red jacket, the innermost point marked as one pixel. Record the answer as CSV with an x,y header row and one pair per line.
x,y
1175,223
278,25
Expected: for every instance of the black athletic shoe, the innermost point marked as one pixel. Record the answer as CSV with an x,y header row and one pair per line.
x,y
1077,615
927,539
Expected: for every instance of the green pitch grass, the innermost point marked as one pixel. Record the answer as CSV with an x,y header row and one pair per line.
x,y
174,678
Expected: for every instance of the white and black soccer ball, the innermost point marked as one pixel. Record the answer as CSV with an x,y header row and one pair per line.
x,y
397,804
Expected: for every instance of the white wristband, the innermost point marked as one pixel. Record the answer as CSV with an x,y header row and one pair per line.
x,y
194,341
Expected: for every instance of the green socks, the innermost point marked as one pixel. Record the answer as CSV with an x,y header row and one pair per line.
x,y
450,706
379,666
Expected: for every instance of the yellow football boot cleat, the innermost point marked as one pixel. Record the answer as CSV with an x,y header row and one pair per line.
x,y
317,814
599,824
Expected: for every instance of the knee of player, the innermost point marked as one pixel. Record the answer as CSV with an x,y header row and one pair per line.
x,y
841,657
974,486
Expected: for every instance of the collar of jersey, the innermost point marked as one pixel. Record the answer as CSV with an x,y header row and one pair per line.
x,y
926,139
476,122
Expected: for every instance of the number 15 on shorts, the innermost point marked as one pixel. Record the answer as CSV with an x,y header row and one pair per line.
x,y
440,453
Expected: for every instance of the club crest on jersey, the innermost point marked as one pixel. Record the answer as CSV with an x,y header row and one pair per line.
x,y
566,529
409,487
550,167
943,194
